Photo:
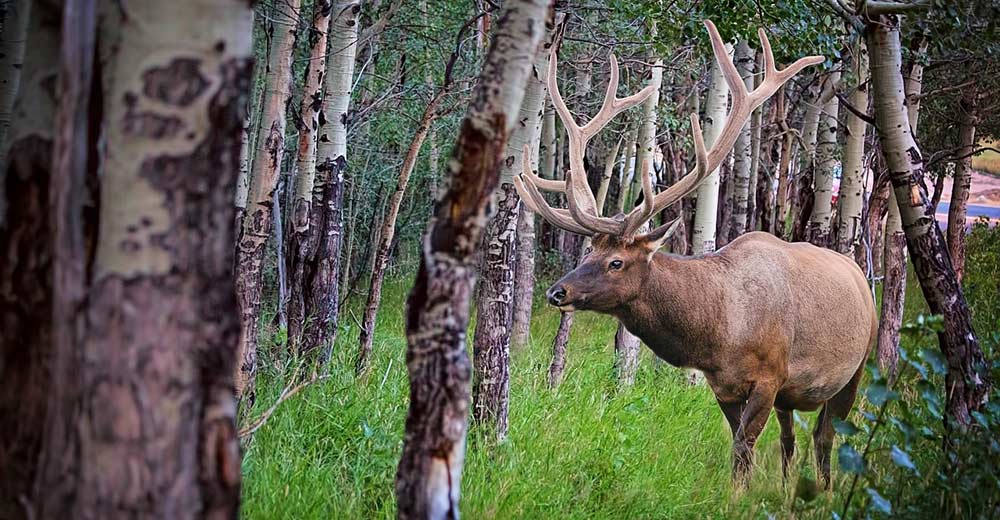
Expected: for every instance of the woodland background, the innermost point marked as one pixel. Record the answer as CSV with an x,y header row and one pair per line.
x,y
328,133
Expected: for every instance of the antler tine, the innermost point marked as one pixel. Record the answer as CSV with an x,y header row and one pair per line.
x,y
538,182
580,200
744,103
524,184
635,219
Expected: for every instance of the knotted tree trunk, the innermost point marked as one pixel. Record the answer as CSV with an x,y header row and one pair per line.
x,y
437,316
302,241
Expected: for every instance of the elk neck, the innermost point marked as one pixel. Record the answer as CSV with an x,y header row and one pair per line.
x,y
679,312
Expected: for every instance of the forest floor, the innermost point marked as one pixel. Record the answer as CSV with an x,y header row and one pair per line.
x,y
660,449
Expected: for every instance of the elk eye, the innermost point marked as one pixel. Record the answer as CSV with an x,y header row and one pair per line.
x,y
615,265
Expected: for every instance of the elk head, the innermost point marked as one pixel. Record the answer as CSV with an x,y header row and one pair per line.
x,y
613,272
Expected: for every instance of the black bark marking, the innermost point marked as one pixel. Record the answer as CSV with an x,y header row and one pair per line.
x,y
179,83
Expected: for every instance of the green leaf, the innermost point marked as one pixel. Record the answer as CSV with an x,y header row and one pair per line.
x,y
932,399
879,503
902,459
936,360
845,427
879,394
850,460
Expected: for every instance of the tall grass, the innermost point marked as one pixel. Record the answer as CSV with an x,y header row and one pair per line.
x,y
660,449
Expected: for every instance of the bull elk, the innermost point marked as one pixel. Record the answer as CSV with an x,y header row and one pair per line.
x,y
770,324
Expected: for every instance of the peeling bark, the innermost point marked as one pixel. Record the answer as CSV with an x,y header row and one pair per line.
x,y
437,316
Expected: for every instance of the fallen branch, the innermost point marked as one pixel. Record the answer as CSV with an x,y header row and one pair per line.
x,y
287,393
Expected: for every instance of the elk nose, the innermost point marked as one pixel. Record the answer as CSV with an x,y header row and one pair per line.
x,y
556,295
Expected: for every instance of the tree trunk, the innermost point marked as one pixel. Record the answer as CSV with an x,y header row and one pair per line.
x,y
826,160
144,422
26,282
967,381
546,170
742,151
785,179
708,191
962,181
627,345
801,183
893,290
257,223
388,231
852,184
558,365
531,112
12,40
314,303
437,316
755,131
301,239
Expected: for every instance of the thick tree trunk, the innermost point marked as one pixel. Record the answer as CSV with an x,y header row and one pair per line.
x,y
257,222
301,239
708,192
742,151
388,232
962,180
26,283
850,200
827,153
12,40
147,426
967,382
314,304
437,317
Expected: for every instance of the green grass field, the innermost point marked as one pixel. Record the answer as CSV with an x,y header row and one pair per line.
x,y
588,450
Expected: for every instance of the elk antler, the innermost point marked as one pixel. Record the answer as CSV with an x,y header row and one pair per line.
x,y
583,216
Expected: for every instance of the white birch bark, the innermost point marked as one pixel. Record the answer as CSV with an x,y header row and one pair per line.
x,y
826,161
706,212
852,184
742,150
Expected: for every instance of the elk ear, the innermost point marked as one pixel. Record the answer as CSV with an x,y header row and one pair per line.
x,y
656,238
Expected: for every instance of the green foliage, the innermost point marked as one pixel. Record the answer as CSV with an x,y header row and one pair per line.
x,y
981,280
900,461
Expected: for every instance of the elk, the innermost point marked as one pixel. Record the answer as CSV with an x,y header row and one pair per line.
x,y
771,324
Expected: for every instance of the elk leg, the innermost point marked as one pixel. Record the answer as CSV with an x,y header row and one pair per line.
x,y
752,421
838,406
787,440
733,412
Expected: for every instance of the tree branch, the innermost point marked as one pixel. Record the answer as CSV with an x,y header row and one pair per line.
x,y
880,7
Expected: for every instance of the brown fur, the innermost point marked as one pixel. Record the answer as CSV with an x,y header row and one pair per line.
x,y
771,324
